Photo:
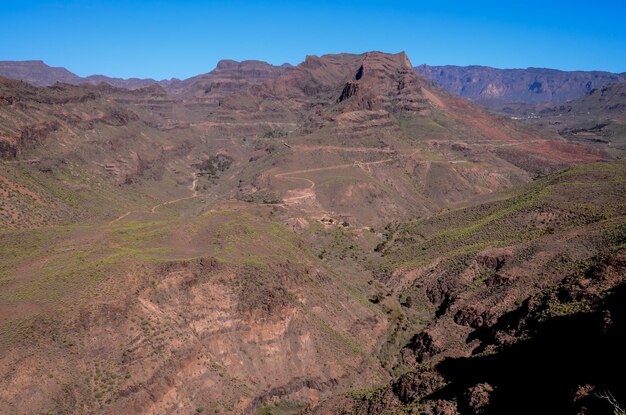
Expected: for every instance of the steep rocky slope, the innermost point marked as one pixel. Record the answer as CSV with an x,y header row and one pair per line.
x,y
492,87
526,291
225,311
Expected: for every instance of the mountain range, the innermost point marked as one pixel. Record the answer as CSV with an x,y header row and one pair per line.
x,y
37,73
340,236
488,86
492,87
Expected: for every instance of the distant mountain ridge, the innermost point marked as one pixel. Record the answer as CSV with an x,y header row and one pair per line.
x,y
228,76
488,86
491,86
38,73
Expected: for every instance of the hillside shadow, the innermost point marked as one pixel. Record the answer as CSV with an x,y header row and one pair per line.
x,y
542,374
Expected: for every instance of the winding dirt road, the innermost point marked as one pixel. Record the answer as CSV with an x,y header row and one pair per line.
x,y
338,166
300,193
343,149
167,202
308,192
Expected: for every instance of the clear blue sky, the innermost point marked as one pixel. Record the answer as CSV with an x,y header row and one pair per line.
x,y
163,39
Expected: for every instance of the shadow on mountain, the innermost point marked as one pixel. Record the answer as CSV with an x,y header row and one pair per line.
x,y
561,369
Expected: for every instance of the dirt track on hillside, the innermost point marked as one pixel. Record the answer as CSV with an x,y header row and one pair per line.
x,y
308,192
167,202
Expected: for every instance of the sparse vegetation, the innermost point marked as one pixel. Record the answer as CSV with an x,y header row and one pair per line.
x,y
214,166
264,248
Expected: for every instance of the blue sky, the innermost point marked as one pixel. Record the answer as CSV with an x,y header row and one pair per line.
x,y
163,39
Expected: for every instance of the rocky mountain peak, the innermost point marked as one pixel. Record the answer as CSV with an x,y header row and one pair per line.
x,y
386,61
337,75
383,81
